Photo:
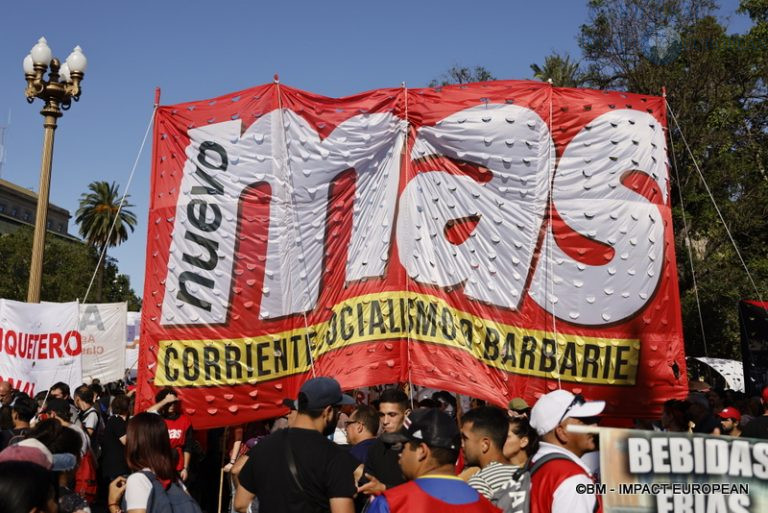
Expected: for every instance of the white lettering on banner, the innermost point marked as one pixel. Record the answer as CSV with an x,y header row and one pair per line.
x,y
40,344
368,144
734,503
175,434
590,197
299,172
685,455
511,143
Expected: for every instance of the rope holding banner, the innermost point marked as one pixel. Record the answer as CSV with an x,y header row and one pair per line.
x,y
295,222
103,253
688,245
712,198
406,157
551,181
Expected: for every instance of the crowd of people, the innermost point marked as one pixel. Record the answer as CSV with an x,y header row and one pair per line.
x,y
84,452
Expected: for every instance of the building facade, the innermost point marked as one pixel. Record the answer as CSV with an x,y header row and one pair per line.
x,y
18,207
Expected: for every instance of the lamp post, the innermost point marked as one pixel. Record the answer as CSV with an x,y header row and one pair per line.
x,y
62,86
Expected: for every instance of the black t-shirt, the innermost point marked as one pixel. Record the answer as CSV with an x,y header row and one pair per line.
x,y
112,450
382,463
324,469
756,428
707,425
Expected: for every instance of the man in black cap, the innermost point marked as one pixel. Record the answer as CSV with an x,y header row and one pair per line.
x,y
298,469
430,443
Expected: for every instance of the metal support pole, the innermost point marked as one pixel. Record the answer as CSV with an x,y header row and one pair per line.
x,y
41,217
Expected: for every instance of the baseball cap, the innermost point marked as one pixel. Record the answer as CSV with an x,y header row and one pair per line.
x,y
518,403
430,426
730,413
553,408
290,404
33,451
321,392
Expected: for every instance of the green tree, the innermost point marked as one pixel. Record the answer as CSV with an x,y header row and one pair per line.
x,y
563,71
67,267
103,222
716,86
462,75
118,287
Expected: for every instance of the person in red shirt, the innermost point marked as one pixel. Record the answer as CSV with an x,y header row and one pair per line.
x,y
179,426
554,484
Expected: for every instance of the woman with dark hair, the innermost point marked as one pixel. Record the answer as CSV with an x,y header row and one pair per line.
x,y
26,487
113,462
147,449
522,441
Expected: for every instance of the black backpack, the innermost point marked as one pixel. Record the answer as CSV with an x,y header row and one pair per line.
x,y
172,500
515,495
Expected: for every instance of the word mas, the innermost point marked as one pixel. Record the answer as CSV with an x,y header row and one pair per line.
x,y
509,202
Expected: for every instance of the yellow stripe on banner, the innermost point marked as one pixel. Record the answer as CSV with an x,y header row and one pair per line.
x,y
392,315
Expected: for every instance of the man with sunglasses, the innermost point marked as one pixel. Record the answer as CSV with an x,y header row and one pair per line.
x,y
361,429
553,485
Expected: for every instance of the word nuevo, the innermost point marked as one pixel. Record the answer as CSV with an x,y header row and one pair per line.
x,y
507,196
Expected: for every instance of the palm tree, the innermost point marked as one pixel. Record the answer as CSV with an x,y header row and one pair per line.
x,y
563,71
99,210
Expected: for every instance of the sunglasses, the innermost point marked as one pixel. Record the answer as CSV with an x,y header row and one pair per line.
x,y
578,400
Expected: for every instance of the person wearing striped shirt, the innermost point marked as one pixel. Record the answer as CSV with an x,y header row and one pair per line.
x,y
483,434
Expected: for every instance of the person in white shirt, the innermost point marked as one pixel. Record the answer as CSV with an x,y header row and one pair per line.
x,y
147,449
483,434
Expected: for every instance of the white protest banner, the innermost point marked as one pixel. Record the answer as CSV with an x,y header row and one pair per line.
x,y
102,327
39,345
664,472
132,332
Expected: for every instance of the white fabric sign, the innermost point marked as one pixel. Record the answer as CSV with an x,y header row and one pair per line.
x,y
731,370
132,333
39,345
102,327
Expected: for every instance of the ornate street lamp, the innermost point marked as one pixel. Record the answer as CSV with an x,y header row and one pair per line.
x,y
62,86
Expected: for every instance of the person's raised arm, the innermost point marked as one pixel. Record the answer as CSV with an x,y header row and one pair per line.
x,y
168,399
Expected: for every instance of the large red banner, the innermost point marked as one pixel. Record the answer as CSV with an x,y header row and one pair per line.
x,y
496,239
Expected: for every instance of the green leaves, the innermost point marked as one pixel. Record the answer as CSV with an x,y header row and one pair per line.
x,y
716,85
67,268
99,210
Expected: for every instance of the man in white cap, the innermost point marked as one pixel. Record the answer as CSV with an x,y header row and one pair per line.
x,y
554,484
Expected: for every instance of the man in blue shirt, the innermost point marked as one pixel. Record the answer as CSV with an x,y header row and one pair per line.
x,y
361,429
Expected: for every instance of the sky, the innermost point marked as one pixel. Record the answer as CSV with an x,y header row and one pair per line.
x,y
195,50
